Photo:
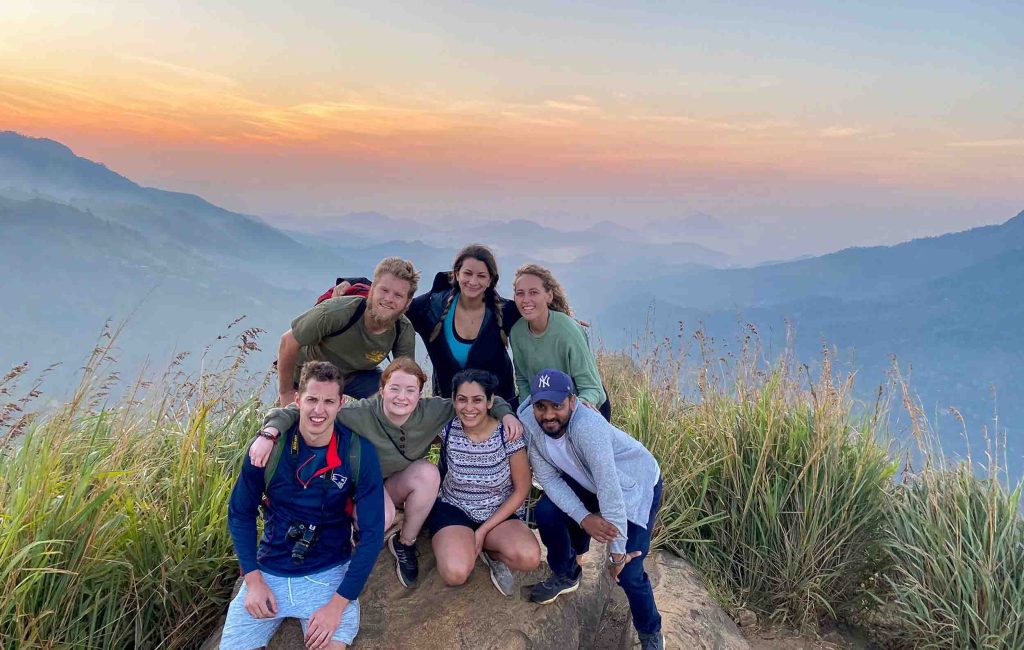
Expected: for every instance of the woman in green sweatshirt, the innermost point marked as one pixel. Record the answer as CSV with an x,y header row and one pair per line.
x,y
401,425
547,336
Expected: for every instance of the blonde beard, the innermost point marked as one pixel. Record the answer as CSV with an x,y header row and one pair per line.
x,y
376,322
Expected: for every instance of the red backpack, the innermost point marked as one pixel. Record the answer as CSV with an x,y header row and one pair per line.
x,y
357,289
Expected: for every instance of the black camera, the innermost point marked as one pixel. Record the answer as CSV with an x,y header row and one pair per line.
x,y
305,535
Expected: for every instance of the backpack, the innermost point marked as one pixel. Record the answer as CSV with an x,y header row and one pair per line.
x,y
357,289
354,456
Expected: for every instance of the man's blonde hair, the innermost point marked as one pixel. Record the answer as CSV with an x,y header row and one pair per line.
x,y
401,269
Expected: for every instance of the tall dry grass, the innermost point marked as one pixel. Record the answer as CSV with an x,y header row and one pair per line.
x,y
113,510
779,487
774,488
955,548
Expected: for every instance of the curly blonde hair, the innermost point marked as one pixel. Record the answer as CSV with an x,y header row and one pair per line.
x,y
401,269
559,301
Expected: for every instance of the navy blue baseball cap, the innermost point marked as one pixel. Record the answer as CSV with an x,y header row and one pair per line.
x,y
551,385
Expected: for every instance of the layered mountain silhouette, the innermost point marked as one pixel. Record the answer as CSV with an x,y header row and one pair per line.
x,y
948,309
83,245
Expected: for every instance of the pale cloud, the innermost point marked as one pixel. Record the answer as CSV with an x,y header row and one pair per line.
x,y
714,125
568,106
842,131
201,76
1006,143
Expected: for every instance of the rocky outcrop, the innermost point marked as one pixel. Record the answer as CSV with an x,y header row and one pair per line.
x,y
476,617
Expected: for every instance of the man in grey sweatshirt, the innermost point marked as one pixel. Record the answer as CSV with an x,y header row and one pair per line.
x,y
599,482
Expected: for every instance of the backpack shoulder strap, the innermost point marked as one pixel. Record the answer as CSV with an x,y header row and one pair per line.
x,y
274,460
355,453
360,309
442,463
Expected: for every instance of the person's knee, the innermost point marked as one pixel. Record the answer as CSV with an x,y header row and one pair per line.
x,y
426,476
524,557
454,573
531,557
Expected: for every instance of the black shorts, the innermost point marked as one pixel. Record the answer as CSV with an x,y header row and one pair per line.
x,y
445,514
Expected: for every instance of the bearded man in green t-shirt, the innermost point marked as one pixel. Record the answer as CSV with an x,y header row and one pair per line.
x,y
353,333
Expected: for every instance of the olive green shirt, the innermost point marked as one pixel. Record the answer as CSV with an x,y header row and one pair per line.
x,y
354,350
397,446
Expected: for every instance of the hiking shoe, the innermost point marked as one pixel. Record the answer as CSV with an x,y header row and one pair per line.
x,y
556,585
406,563
655,641
501,575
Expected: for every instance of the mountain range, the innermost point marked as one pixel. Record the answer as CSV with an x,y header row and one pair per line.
x,y
84,245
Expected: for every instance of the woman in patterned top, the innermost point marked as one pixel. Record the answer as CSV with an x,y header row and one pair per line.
x,y
485,481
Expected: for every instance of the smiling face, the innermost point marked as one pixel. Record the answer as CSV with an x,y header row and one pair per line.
x,y
532,298
388,299
319,403
474,278
400,394
472,404
554,417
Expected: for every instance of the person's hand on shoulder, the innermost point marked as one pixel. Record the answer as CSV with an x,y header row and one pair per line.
x,y
259,450
513,428
341,288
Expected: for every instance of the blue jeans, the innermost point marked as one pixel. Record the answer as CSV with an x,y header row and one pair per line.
x,y
565,539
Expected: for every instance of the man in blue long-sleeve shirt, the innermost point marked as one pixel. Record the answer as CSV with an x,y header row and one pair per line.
x,y
305,565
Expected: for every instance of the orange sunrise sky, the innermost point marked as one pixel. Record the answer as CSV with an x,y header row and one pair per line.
x,y
574,111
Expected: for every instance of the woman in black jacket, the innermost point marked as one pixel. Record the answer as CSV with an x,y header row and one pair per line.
x,y
464,323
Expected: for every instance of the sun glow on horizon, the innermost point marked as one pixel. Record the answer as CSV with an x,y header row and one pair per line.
x,y
466,116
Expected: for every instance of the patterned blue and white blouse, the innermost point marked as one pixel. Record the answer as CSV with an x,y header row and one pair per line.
x,y
479,478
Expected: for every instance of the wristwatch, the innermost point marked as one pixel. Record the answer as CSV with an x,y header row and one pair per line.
x,y
613,562
266,434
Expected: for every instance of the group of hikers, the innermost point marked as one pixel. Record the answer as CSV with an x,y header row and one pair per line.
x,y
328,473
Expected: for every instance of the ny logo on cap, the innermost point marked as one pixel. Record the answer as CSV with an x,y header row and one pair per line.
x,y
544,381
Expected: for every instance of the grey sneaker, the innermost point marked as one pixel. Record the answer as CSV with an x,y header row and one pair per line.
x,y
501,575
655,641
556,585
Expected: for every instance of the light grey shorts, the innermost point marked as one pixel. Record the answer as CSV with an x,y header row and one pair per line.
x,y
296,598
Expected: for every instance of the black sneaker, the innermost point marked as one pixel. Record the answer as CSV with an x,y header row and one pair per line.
x,y
406,564
655,641
556,585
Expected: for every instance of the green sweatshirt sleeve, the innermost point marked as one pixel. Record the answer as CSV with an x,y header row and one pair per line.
x,y
582,367
354,415
438,411
282,418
